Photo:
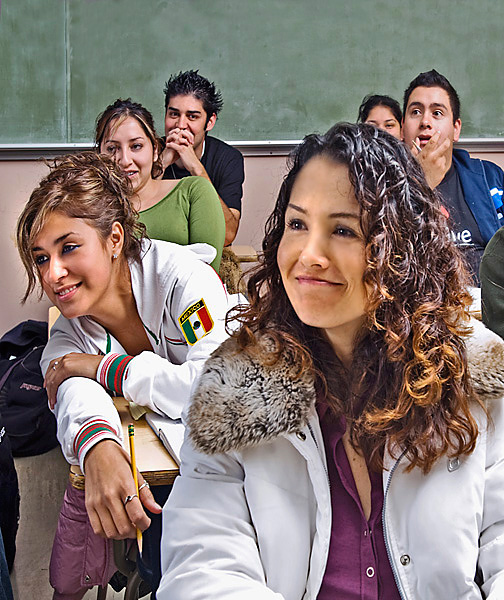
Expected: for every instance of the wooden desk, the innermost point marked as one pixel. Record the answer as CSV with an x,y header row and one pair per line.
x,y
153,460
244,253
54,313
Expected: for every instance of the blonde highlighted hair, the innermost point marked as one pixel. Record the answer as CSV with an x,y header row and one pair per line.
x,y
82,186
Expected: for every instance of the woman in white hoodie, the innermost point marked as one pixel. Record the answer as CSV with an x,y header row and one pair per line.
x,y
138,318
347,441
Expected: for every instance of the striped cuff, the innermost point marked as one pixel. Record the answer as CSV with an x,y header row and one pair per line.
x,y
91,433
112,372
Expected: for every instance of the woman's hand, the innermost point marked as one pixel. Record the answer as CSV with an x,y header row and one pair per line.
x,y
74,364
109,482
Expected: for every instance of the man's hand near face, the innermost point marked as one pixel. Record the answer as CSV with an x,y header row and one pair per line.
x,y
179,147
435,158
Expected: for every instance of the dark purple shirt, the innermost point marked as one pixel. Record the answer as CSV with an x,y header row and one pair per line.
x,y
357,567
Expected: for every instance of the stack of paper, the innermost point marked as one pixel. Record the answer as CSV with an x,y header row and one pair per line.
x,y
169,431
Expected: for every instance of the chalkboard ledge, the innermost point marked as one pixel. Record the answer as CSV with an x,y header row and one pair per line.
x,y
247,148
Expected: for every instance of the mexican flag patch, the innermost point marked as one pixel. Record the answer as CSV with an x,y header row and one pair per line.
x,y
196,322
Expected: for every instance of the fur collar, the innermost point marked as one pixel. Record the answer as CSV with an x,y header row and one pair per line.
x,y
240,402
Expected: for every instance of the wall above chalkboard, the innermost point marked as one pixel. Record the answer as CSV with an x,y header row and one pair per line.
x,y
285,67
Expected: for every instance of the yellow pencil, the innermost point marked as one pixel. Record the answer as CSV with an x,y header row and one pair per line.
x,y
131,436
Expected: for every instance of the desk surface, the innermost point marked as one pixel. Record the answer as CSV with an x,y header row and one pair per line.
x,y
244,253
153,460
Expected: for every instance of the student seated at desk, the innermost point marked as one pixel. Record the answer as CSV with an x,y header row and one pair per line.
x,y
383,112
192,104
347,442
184,211
138,318
471,189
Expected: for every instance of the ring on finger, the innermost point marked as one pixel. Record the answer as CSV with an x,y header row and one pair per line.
x,y
144,485
129,498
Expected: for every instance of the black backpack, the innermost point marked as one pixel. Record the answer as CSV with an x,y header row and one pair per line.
x,y
24,411
9,499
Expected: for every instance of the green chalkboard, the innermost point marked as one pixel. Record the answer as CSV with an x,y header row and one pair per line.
x,y
285,67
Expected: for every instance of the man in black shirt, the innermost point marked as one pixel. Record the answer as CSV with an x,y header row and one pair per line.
x,y
192,104
471,189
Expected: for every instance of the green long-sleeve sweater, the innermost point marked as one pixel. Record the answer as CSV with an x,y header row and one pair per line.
x,y
190,213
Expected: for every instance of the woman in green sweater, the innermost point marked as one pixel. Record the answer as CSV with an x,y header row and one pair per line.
x,y
184,211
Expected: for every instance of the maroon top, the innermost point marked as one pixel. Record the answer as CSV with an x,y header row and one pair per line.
x,y
357,567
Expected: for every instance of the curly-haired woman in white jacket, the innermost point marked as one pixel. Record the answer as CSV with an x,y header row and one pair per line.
x,y
347,441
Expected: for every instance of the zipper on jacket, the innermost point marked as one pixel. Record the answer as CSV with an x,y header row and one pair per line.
x,y
385,534
312,433
317,446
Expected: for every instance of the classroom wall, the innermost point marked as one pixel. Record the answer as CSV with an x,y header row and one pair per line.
x,y
263,175
17,179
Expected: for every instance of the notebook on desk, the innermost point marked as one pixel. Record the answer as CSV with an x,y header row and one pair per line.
x,y
169,431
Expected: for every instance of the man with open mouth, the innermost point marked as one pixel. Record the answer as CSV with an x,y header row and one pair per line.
x,y
472,189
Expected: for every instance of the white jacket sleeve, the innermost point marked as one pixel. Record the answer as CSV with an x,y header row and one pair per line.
x,y
160,384
79,401
209,547
491,552
160,379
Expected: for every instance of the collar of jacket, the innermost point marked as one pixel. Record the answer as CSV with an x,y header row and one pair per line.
x,y
462,158
241,402
163,266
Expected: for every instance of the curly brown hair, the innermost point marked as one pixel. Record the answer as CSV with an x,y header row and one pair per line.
x,y
82,186
408,387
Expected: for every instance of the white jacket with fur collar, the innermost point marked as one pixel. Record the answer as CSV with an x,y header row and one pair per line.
x,y
250,516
